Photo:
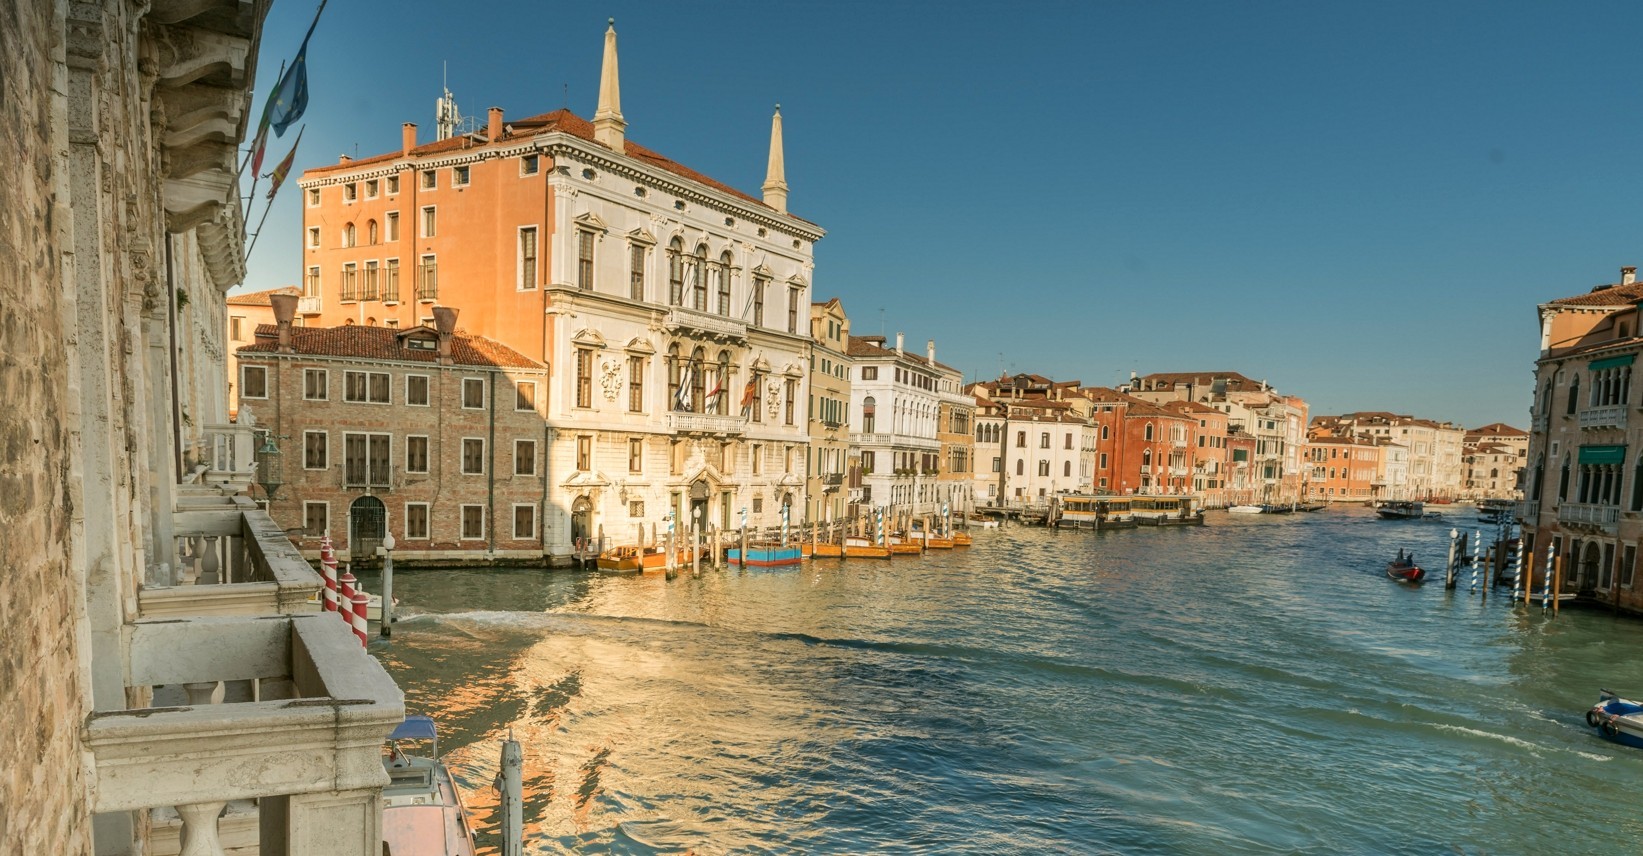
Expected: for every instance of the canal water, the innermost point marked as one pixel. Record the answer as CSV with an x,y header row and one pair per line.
x,y
1257,685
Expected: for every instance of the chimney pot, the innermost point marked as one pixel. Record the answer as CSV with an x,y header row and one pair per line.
x,y
343,158
1628,275
445,323
930,351
407,137
285,309
494,126
899,338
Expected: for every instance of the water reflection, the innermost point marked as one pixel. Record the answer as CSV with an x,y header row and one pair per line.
x,y
1254,685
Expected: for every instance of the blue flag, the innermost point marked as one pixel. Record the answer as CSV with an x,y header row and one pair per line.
x,y
290,96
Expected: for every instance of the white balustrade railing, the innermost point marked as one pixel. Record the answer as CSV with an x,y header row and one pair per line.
x,y
1603,417
1607,516
714,325
707,423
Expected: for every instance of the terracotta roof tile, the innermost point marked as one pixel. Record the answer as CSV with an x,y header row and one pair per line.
x,y
1605,295
860,346
387,343
260,298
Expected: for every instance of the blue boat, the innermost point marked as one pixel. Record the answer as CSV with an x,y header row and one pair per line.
x,y
1617,719
765,555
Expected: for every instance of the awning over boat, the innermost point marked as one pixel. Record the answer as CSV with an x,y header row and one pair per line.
x,y
414,728
1602,454
1611,362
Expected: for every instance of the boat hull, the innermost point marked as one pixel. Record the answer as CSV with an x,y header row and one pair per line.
x,y
1617,720
962,539
764,557
825,550
1405,573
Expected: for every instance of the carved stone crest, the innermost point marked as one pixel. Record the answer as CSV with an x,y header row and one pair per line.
x,y
610,379
773,398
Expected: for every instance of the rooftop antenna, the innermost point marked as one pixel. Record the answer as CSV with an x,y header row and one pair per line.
x,y
447,119
881,321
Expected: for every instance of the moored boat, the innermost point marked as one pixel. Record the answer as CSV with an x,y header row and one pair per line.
x,y
633,560
1246,509
827,550
765,555
861,548
422,810
962,539
1403,569
1617,719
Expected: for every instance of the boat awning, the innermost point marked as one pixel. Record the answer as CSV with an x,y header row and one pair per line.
x,y
1602,454
1611,362
414,728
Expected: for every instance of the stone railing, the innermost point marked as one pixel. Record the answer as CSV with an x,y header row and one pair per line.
x,y
310,305
231,558
705,423
1529,511
1605,516
907,440
1603,417
229,452
305,743
703,322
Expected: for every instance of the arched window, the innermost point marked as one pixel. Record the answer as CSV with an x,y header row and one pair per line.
x,y
1637,484
697,383
1148,431
724,283
349,235
675,272
1546,398
1539,472
1574,394
1146,458
723,381
673,377
1066,468
867,414
371,231
1020,468
698,289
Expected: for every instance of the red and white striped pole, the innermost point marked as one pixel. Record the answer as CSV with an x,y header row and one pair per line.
x,y
361,602
328,572
345,596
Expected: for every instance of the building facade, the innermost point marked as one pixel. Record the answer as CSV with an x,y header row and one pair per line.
x,y
896,397
828,414
427,433
672,309
1344,469
1494,459
1276,422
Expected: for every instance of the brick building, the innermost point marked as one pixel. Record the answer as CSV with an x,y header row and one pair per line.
x,y
430,433
671,308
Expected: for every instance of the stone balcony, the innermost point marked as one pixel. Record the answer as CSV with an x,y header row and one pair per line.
x,y
310,305
706,423
1529,511
1609,416
305,743
907,441
1604,517
231,558
716,326
229,453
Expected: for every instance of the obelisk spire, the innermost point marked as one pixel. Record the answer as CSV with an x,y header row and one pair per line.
x,y
775,179
608,124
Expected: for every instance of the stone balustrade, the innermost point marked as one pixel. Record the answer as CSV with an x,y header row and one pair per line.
x,y
706,423
1606,517
231,558
1610,416
229,452
717,326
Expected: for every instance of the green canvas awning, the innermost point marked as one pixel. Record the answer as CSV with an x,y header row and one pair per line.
x,y
1611,362
1602,454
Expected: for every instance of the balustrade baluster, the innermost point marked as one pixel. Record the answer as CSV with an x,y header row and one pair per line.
x,y
199,832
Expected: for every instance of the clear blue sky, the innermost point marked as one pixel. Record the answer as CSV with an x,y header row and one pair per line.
x,y
1361,203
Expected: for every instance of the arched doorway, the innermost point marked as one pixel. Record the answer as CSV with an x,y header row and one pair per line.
x,y
367,521
581,520
699,493
1590,560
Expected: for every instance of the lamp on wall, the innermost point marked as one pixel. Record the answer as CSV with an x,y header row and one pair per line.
x,y
268,466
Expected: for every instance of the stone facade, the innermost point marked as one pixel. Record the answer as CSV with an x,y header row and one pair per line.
x,y
827,494
896,396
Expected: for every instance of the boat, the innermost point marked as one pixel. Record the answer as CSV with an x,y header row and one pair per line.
x,y
1403,569
962,539
827,550
1617,719
422,810
632,560
1247,509
1399,509
767,555
902,545
861,548
1165,511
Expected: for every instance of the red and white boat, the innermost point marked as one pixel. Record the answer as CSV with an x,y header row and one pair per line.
x,y
1403,569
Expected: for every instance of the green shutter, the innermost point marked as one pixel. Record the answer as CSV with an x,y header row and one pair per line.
x,y
1602,454
1611,362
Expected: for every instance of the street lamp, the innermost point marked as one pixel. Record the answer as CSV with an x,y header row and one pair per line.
x,y
268,470
386,620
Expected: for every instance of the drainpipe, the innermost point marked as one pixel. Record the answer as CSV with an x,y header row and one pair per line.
x,y
490,475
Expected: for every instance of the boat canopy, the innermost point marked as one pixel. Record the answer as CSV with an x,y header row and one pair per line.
x,y
1602,454
415,728
1611,362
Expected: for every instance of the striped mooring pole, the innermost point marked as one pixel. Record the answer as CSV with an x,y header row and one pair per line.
x,y
1517,570
1477,558
1546,590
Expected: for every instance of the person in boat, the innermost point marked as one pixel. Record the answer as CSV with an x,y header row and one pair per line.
x,y
1400,556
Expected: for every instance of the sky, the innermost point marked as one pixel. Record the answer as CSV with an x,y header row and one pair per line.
x,y
1360,203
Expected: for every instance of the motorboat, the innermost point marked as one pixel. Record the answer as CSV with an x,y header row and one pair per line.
x,y
422,810
632,559
1617,719
1399,509
768,555
962,539
1404,570
1247,509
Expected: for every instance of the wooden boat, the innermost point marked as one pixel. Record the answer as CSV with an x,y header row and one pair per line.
x,y
962,539
765,555
633,560
422,810
902,545
1162,519
1617,719
861,548
1403,569
826,550
1399,509
936,542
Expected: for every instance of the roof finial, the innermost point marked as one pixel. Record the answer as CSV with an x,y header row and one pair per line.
x,y
775,180
608,125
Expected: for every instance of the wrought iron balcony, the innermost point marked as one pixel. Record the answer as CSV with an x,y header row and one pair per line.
x,y
1608,416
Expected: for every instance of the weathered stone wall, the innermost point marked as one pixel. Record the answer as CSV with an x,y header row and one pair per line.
x,y
42,781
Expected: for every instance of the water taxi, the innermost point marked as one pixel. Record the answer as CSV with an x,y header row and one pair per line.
x,y
1398,509
633,560
1165,511
422,810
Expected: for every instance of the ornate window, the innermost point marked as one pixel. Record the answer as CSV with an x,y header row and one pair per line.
x,y
698,285
675,272
636,384
698,386
724,283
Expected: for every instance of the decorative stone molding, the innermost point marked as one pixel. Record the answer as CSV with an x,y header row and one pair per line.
x,y
610,379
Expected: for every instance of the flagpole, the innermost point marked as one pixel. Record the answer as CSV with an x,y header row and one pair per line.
x,y
261,131
279,82
270,206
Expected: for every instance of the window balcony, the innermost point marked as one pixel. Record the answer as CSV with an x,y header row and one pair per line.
x,y
310,305
305,742
427,282
228,452
231,558
706,423
832,479
902,440
1605,517
1529,511
1538,423
1608,416
717,326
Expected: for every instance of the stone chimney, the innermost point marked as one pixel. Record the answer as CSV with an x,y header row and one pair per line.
x,y
285,309
609,128
930,352
445,323
1628,275
493,128
343,158
407,137
899,338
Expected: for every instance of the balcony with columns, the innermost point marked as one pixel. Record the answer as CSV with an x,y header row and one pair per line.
x,y
230,558
1603,517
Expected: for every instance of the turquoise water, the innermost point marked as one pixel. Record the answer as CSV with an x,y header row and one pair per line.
x,y
1254,686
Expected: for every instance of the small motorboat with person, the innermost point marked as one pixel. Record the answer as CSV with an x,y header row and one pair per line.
x,y
1617,719
1403,568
